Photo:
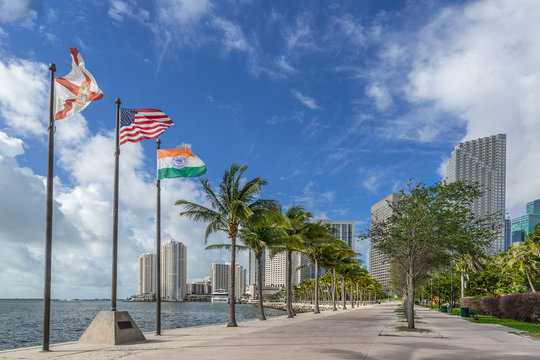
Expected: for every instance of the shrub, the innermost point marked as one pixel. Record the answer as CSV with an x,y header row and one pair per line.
x,y
530,307
489,305
467,302
511,306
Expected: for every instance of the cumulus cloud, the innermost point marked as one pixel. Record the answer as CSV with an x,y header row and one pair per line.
x,y
17,10
24,95
481,65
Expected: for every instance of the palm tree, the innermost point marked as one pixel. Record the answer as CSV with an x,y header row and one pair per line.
x,y
317,240
298,222
332,258
261,230
466,264
525,260
230,208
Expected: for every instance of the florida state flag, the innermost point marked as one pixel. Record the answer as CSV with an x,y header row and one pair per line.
x,y
75,90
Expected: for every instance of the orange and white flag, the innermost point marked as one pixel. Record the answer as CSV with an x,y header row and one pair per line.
x,y
76,90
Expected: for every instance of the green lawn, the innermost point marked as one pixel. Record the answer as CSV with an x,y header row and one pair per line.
x,y
532,329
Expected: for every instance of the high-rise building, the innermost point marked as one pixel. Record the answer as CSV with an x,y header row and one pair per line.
x,y
483,161
275,269
147,274
343,230
240,281
379,265
253,270
525,224
173,271
221,276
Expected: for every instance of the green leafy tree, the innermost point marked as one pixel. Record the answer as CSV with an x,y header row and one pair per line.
x,y
229,209
428,225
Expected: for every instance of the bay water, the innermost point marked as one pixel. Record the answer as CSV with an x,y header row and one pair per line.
x,y
21,320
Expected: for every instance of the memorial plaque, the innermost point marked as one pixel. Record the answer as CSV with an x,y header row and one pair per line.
x,y
124,325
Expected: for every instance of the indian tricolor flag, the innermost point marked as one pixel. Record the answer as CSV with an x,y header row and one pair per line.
x,y
179,162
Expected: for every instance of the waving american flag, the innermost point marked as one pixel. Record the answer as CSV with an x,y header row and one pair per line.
x,y
139,124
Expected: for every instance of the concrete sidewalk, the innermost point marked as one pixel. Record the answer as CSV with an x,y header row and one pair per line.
x,y
349,334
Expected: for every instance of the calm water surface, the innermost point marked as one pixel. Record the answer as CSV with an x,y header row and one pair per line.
x,y
21,321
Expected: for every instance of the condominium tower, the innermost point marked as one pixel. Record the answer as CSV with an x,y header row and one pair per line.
x,y
173,271
147,274
221,277
378,264
483,161
343,230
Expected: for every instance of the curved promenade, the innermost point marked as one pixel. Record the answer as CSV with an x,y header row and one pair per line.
x,y
350,334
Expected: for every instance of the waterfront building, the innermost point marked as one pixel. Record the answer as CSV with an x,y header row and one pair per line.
x,y
379,265
240,281
275,269
199,288
253,270
147,274
173,271
221,277
483,161
523,225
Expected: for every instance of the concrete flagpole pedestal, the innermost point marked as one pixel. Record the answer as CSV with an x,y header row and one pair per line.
x,y
112,328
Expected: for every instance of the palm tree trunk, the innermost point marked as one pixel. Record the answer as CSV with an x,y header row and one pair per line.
x,y
334,290
343,294
529,278
462,284
232,280
259,283
357,295
316,311
288,284
352,296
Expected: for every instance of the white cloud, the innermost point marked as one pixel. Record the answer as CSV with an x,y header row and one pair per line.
x,y
285,66
381,95
15,10
233,37
480,64
305,100
183,12
24,95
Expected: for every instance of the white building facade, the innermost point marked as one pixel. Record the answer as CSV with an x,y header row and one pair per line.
x,y
379,265
483,161
173,271
147,274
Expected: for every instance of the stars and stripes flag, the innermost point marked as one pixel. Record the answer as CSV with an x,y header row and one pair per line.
x,y
139,124
76,90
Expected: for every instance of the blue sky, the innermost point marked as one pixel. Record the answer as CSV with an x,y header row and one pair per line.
x,y
337,104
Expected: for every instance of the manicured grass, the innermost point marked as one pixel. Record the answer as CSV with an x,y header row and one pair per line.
x,y
531,328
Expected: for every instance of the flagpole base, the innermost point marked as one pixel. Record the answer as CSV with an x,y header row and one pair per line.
x,y
112,328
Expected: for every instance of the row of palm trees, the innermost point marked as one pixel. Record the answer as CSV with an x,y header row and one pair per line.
x,y
263,226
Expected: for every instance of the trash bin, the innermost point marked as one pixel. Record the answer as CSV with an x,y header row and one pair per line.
x,y
464,312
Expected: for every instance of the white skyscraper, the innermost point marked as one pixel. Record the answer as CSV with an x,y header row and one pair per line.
x,y
378,263
173,270
220,277
275,269
483,161
343,230
147,274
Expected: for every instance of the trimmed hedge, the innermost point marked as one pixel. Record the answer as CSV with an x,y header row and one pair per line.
x,y
489,305
468,302
524,307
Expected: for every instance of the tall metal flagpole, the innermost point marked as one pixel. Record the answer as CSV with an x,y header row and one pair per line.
x,y
115,207
48,216
158,255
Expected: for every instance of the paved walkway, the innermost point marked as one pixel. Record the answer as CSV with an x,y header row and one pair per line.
x,y
350,334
